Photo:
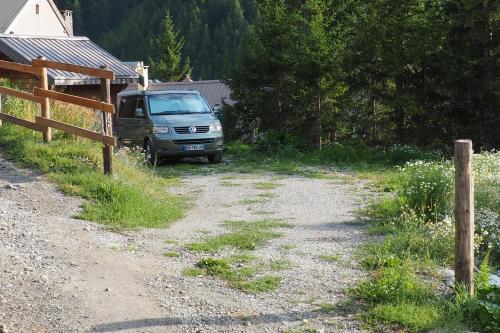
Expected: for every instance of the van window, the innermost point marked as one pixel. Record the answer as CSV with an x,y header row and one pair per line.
x,y
177,104
127,107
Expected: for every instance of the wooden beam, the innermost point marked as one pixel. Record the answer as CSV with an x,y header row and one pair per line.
x,y
101,73
13,66
464,215
107,125
21,122
85,133
21,94
45,106
72,99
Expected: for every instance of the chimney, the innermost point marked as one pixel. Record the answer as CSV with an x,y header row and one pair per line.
x,y
188,78
68,19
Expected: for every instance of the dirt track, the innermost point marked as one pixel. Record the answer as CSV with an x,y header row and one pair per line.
x,y
59,274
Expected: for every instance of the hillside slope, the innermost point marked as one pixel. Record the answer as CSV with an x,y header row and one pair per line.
x,y
213,30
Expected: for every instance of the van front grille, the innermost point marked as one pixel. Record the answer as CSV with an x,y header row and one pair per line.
x,y
185,129
193,141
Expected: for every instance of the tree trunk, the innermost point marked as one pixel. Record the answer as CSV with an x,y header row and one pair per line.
x,y
400,113
317,121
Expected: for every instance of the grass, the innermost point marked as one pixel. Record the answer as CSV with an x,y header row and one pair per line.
x,y
288,247
227,183
267,185
133,198
267,195
280,265
330,257
240,270
238,276
286,160
172,254
252,201
242,235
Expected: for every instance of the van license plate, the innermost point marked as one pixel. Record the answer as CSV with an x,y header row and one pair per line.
x,y
194,148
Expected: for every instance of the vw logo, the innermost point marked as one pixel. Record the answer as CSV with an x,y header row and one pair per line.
x,y
192,129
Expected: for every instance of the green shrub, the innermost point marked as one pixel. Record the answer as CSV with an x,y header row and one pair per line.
x,y
426,188
397,284
414,317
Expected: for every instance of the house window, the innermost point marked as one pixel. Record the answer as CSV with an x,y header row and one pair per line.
x,y
37,9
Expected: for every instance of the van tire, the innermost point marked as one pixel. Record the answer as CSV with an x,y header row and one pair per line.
x,y
150,153
215,158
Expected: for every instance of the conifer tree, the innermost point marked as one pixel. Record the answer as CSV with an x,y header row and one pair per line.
x,y
169,64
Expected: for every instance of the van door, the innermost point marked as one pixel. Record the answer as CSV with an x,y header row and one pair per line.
x,y
129,128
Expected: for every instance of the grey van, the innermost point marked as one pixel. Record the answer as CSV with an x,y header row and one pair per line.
x,y
170,123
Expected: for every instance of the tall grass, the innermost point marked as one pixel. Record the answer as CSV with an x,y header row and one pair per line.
x,y
133,198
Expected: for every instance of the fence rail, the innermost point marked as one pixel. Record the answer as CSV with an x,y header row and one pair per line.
x,y
42,95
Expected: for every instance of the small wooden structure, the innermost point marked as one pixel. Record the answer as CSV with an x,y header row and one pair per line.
x,y
42,95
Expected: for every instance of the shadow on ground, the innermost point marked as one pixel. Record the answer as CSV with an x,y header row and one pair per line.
x,y
218,321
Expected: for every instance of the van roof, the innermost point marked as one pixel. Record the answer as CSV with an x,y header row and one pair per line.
x,y
156,92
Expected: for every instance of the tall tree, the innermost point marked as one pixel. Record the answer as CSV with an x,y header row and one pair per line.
x,y
169,64
288,68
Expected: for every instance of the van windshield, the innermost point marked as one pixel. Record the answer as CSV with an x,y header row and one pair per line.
x,y
177,104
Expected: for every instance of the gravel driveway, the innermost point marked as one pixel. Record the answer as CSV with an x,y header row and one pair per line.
x,y
59,274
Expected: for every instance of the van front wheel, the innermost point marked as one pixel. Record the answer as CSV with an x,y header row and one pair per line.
x,y
215,158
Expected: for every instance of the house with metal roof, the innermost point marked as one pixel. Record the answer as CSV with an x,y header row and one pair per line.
x,y
215,92
25,17
33,28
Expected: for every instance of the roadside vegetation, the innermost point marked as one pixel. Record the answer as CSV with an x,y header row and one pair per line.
x,y
133,198
416,219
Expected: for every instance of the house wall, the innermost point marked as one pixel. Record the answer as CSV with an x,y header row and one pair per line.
x,y
46,23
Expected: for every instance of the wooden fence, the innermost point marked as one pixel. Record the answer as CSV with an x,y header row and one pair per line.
x,y
42,95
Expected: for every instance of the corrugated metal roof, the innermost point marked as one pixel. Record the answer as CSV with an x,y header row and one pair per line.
x,y
214,91
72,50
8,12
134,65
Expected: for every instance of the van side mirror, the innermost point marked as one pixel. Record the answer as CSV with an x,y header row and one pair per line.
x,y
139,113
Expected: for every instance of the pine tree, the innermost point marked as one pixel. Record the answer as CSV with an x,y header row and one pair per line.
x,y
169,65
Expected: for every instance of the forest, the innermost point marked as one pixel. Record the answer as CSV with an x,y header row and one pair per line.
x,y
316,72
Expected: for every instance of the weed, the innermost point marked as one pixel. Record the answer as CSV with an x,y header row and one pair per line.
x,y
417,318
172,254
262,212
193,271
227,183
268,185
280,265
260,285
131,248
242,278
288,247
330,257
252,201
268,195
170,241
327,308
242,235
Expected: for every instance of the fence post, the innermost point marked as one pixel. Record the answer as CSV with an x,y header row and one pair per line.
x,y
44,84
464,215
107,125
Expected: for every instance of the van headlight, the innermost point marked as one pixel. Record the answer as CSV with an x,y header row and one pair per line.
x,y
163,130
216,127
